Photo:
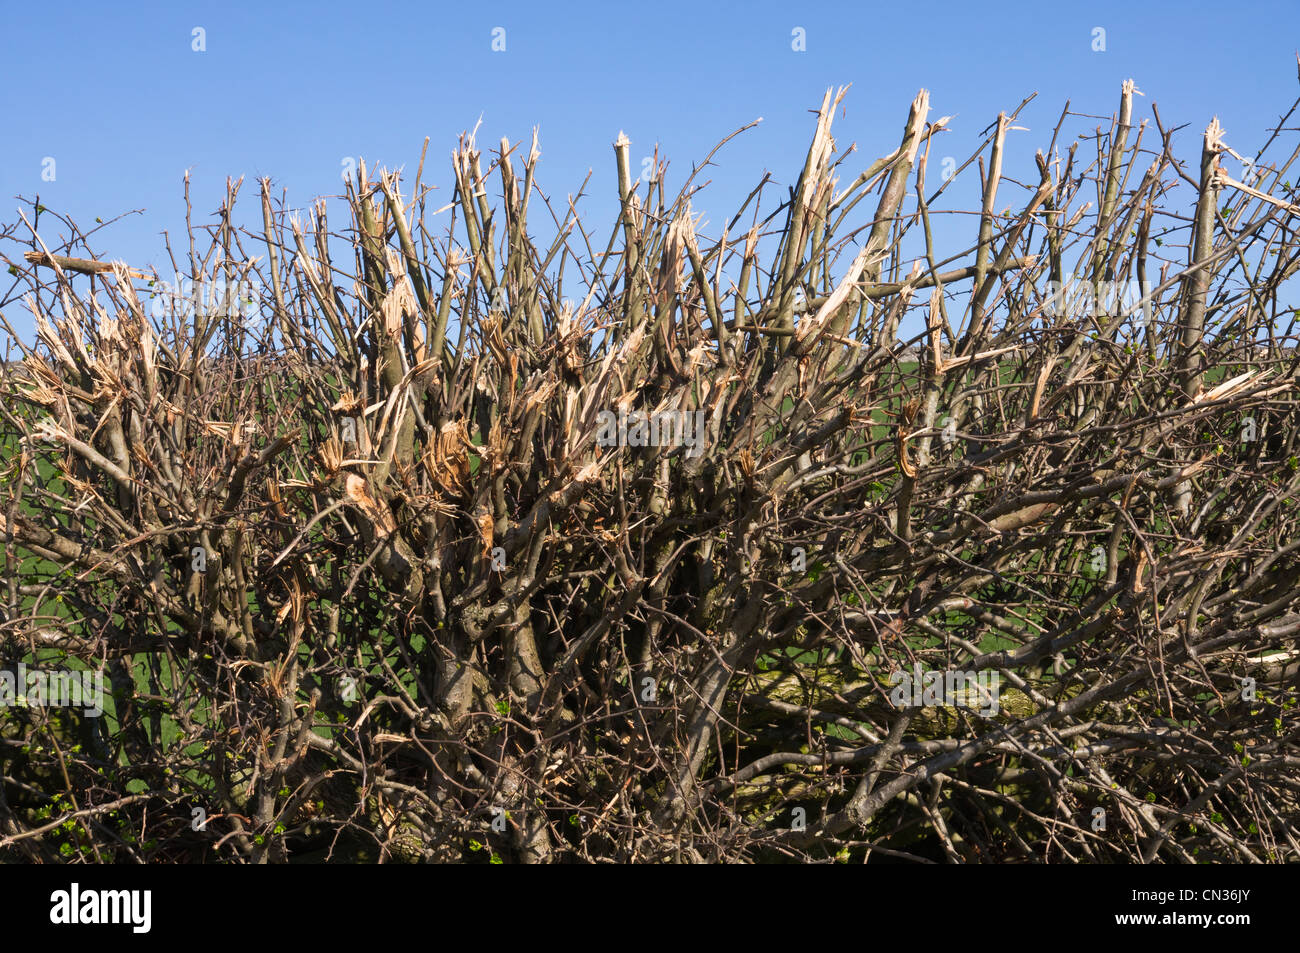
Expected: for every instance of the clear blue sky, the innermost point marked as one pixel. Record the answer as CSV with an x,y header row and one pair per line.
x,y
116,95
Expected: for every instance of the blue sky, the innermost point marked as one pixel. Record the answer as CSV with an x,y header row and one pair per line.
x,y
118,98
